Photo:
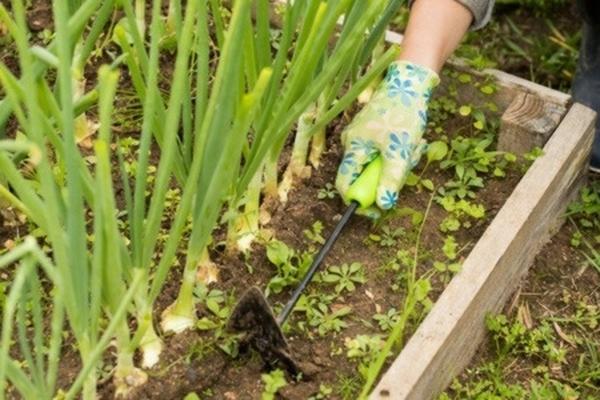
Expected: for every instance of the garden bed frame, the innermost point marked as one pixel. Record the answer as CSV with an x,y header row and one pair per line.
x,y
449,336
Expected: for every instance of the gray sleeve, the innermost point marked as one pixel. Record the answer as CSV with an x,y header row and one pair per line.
x,y
481,10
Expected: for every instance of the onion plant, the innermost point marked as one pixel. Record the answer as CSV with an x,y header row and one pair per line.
x,y
85,290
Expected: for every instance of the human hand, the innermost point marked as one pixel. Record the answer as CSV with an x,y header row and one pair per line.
x,y
390,125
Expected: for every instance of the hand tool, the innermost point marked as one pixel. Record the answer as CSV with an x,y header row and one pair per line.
x,y
252,314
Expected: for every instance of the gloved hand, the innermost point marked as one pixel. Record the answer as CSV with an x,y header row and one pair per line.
x,y
390,125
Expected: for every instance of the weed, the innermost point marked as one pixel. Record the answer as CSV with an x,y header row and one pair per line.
x,y
345,277
320,314
460,213
586,209
399,212
387,237
450,247
364,348
314,234
515,338
446,267
327,321
417,294
291,265
348,386
324,392
273,381
328,192
541,52
592,256
469,158
216,303
387,320
540,345
219,306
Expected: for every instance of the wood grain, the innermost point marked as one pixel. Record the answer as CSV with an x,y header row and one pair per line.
x,y
527,123
448,337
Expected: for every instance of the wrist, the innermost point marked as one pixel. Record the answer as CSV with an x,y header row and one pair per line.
x,y
408,79
425,59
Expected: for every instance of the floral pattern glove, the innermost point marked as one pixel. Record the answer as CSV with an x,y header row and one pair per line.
x,y
390,125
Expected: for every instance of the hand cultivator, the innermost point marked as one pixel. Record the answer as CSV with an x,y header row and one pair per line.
x,y
253,316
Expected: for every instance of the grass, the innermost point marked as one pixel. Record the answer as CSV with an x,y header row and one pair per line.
x,y
537,42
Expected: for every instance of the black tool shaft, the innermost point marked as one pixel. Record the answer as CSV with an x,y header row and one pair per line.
x,y
316,263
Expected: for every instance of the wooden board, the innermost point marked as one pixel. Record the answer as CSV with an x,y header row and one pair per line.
x,y
528,122
453,330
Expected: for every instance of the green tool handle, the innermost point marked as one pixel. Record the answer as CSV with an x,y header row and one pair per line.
x,y
364,189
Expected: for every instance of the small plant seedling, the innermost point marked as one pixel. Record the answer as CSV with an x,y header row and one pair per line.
x,y
328,192
219,306
315,233
324,392
586,209
541,346
399,212
348,386
469,157
387,320
362,346
365,349
387,237
345,277
315,307
450,247
436,151
291,265
443,267
274,381
327,322
217,303
458,210
319,315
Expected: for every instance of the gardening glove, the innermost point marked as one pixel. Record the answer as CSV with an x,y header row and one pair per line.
x,y
391,125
